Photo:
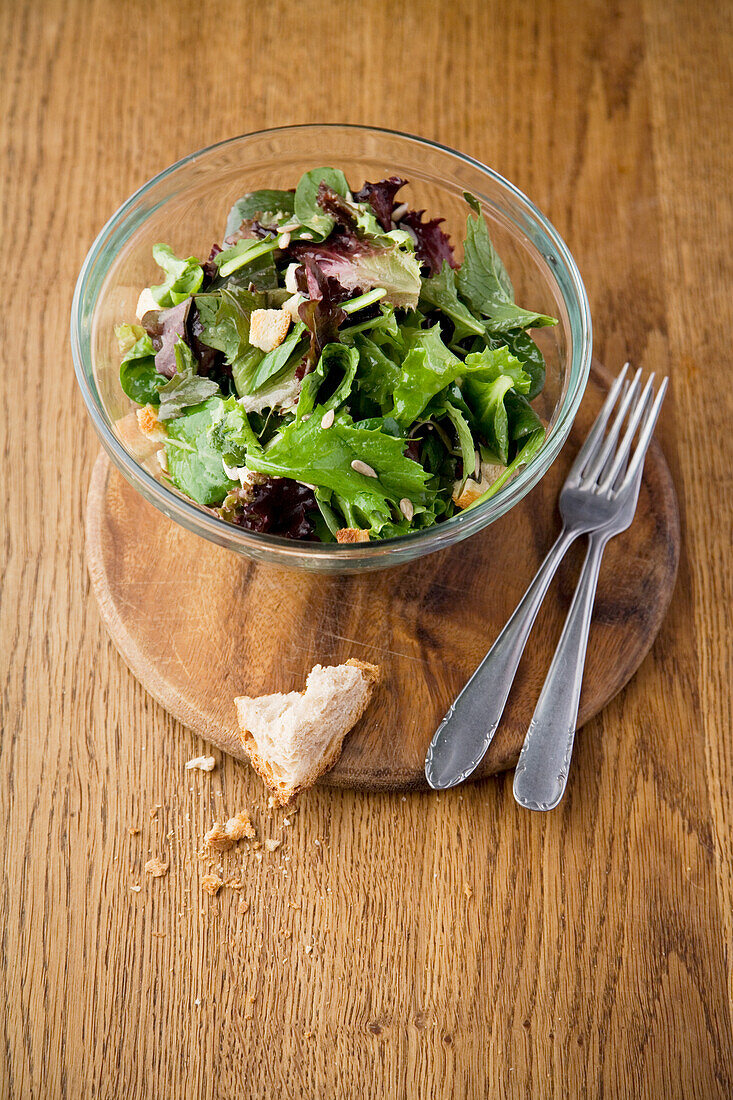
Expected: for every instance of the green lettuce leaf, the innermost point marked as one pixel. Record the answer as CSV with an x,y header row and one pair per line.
x,y
231,434
194,466
440,293
335,359
523,347
378,373
307,210
485,285
256,204
323,457
272,362
182,277
243,255
185,388
225,317
428,367
138,377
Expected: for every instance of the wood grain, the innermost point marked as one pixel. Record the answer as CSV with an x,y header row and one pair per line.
x,y
593,955
427,625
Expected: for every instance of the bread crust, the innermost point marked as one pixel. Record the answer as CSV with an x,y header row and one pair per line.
x,y
283,793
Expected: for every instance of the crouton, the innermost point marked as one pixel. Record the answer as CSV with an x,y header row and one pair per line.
x,y
268,328
473,489
149,424
352,534
145,303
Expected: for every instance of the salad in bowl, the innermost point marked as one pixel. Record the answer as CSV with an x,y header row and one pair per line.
x,y
330,372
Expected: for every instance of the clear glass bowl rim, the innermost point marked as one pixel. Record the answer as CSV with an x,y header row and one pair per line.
x,y
256,543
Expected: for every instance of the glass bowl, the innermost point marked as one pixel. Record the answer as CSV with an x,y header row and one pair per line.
x,y
186,206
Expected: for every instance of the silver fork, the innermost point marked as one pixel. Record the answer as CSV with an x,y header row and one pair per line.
x,y
588,501
544,762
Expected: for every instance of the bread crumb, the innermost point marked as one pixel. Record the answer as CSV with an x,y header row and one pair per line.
x,y
160,935
134,830
220,838
212,884
352,534
467,890
136,889
156,867
309,949
240,827
154,813
272,845
149,424
201,763
243,906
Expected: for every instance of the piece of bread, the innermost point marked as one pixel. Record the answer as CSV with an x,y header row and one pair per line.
x,y
473,489
352,534
268,328
293,739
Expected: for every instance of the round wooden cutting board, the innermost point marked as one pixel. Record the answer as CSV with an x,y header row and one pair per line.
x,y
198,625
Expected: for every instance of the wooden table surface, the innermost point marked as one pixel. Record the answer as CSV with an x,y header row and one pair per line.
x,y
417,946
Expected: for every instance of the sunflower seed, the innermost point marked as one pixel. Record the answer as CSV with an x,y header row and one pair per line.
x,y
363,468
283,240
407,509
327,419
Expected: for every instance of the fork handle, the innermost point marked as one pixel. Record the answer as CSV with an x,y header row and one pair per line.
x,y
542,771
462,738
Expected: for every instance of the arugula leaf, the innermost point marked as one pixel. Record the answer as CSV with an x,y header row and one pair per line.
x,y
138,377
276,360
182,277
258,203
194,466
306,207
323,457
185,388
485,285
428,367
440,292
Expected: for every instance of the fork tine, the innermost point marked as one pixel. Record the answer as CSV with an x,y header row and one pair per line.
x,y
591,475
624,447
645,438
595,435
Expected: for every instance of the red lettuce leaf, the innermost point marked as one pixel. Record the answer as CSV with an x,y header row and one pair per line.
x,y
322,314
380,197
276,505
433,245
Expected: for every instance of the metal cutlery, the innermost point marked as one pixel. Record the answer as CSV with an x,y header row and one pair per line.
x,y
597,491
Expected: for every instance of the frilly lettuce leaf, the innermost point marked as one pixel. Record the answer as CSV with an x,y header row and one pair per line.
x,y
182,277
323,457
